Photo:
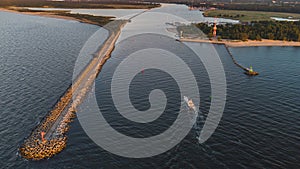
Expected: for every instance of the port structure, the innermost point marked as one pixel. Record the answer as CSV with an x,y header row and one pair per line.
x,y
49,136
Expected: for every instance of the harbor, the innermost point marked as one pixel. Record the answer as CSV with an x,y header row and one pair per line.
x,y
37,96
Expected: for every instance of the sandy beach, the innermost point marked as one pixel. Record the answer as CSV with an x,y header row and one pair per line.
x,y
249,43
264,42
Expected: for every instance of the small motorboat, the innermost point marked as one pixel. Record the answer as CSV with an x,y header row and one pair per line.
x,y
190,103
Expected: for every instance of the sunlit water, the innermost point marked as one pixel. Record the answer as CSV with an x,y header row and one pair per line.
x,y
259,127
118,13
37,57
178,10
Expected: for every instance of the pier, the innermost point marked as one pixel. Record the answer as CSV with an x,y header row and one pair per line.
x,y
248,71
49,137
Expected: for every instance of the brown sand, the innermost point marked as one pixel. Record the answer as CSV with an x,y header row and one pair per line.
x,y
264,42
231,43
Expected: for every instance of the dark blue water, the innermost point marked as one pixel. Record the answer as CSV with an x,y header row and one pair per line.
x,y
259,127
37,56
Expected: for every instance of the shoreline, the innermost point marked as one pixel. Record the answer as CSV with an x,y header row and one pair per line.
x,y
229,43
264,42
50,15
249,43
44,14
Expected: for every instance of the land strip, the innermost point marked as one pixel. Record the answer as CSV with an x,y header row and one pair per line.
x,y
249,43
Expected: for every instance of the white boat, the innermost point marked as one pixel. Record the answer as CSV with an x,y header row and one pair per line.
x,y
190,103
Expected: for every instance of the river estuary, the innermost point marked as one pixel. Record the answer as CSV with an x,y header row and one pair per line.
x,y
259,127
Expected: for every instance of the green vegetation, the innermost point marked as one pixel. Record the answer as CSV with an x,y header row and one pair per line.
x,y
248,16
288,31
96,20
57,4
190,31
290,8
266,6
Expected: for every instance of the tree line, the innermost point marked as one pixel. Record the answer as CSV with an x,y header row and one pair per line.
x,y
273,30
257,7
267,7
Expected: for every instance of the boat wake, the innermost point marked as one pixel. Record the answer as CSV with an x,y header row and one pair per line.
x,y
197,119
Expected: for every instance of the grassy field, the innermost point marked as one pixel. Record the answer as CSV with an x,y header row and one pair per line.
x,y
246,16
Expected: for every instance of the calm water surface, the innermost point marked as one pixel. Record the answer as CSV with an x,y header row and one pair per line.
x,y
174,9
259,127
37,57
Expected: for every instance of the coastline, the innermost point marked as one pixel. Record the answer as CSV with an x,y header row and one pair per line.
x,y
249,43
264,42
44,14
229,43
49,15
